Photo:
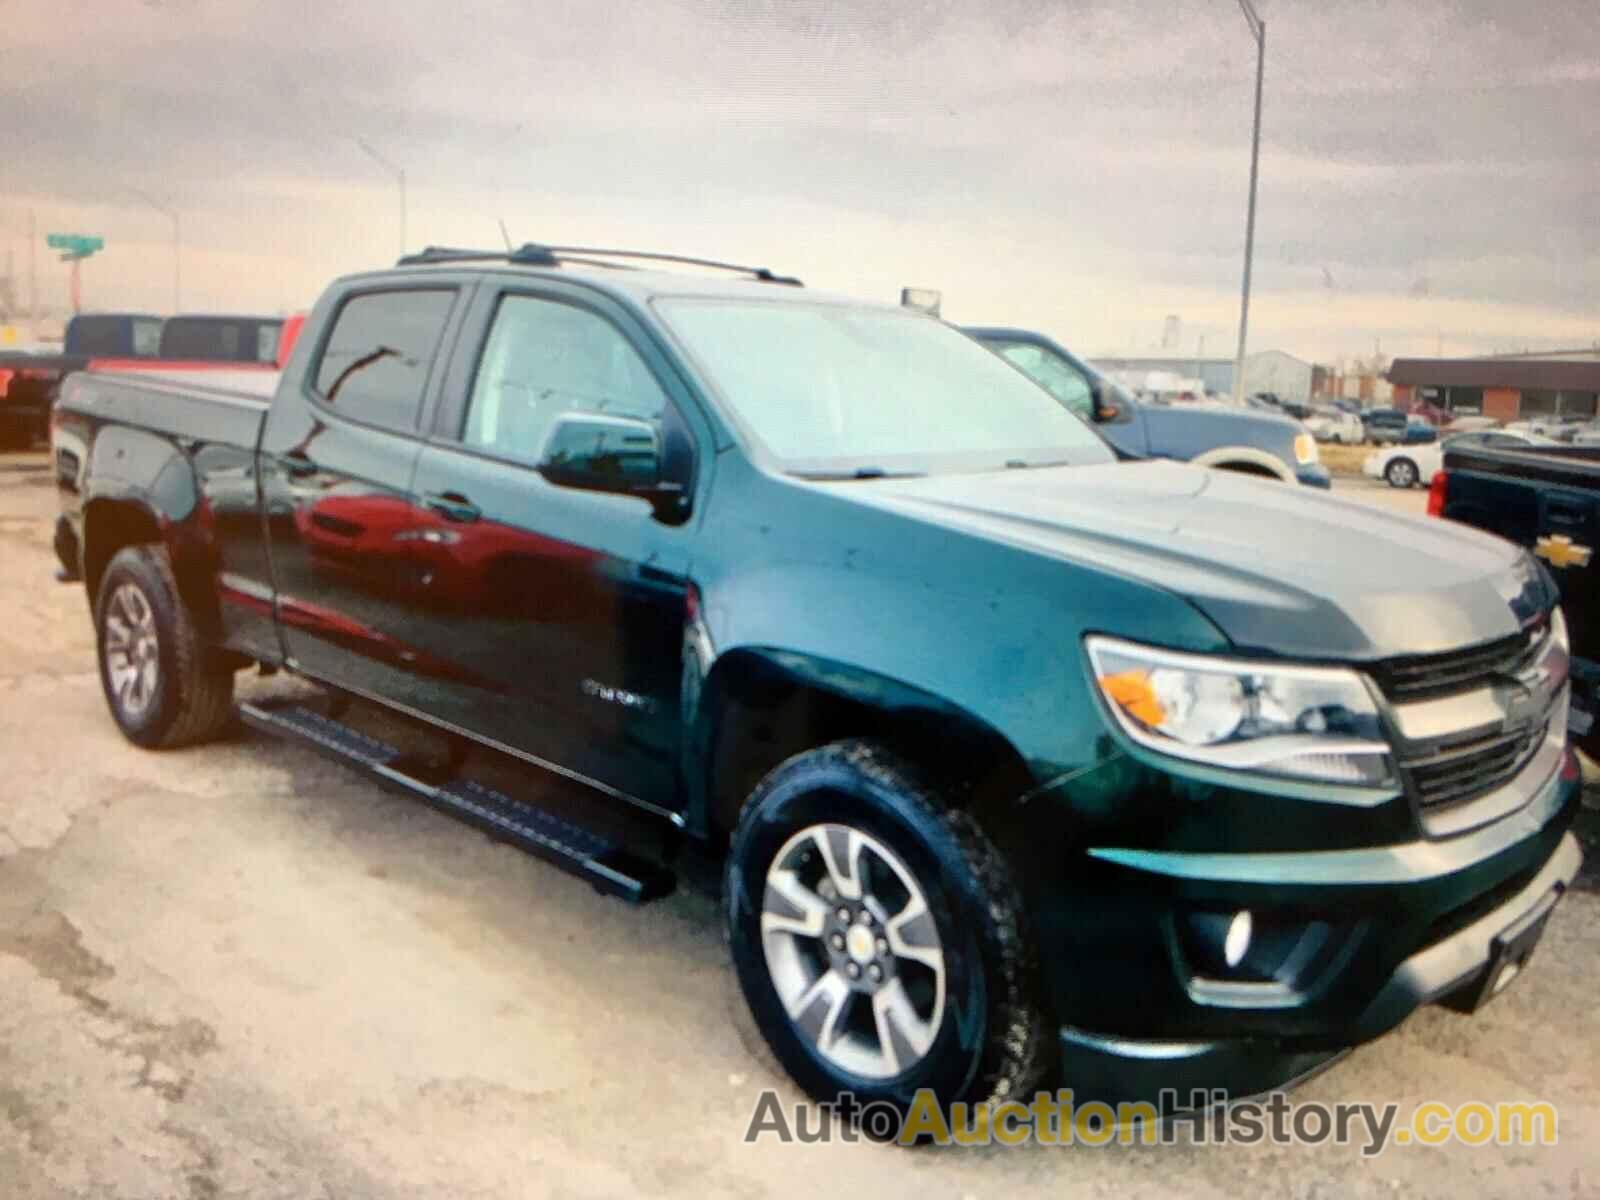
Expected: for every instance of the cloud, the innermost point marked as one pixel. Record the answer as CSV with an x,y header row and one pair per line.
x,y
1076,166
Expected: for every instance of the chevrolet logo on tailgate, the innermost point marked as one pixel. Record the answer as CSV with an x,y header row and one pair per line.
x,y
1559,551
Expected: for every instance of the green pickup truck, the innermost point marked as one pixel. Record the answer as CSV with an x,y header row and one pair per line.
x,y
1023,761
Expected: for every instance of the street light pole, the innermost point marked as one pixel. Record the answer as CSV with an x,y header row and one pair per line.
x,y
177,245
1258,31
400,174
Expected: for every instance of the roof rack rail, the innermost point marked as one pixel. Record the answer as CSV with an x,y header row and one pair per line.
x,y
532,254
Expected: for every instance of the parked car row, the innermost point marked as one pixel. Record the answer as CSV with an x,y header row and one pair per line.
x,y
1330,424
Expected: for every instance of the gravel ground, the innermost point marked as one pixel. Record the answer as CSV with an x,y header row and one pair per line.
x,y
243,971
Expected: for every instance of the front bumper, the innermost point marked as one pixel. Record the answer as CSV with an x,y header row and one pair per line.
x,y
1454,970
1314,475
1395,911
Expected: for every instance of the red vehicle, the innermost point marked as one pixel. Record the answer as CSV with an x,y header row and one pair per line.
x,y
1431,413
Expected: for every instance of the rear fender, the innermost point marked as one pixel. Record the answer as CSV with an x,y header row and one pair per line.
x,y
142,488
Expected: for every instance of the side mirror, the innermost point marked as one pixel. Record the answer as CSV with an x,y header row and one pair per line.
x,y
619,455
1105,409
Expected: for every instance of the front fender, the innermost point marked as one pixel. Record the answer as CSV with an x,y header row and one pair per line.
x,y
756,676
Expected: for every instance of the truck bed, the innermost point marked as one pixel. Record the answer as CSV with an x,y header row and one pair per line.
x,y
206,412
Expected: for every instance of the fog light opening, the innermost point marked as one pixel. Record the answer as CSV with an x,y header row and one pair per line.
x,y
1237,943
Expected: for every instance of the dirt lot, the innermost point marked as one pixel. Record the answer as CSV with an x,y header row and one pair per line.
x,y
242,971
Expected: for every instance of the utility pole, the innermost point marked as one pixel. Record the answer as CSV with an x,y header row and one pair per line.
x,y
1258,31
33,270
400,174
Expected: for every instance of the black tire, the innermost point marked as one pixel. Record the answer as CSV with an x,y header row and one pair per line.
x,y
1401,473
992,1041
191,698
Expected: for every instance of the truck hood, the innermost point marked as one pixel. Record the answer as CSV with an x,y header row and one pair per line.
x,y
1278,569
1183,431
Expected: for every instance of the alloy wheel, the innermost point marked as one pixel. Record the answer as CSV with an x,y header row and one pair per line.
x,y
853,951
132,649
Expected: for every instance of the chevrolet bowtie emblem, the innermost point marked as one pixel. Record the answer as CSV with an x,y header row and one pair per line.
x,y
1559,551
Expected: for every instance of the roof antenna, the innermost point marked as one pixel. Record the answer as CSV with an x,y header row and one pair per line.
x,y
504,234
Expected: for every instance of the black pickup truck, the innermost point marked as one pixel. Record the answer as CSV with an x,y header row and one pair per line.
x,y
1020,760
1548,501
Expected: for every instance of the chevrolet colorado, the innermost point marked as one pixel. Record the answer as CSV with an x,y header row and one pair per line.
x,y
1020,760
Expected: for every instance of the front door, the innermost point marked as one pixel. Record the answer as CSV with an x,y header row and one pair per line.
x,y
560,610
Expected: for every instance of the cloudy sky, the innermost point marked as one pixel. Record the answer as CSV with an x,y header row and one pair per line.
x,y
1429,174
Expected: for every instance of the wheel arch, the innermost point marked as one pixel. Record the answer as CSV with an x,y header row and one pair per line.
x,y
112,523
759,706
1246,460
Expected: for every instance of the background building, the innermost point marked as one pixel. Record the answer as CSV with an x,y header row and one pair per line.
x,y
1284,375
1265,371
1508,387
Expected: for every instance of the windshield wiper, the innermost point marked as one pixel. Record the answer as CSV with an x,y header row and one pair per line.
x,y
859,473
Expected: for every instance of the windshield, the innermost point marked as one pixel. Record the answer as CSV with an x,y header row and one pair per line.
x,y
828,389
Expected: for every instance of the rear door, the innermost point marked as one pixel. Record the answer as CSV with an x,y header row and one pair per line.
x,y
336,462
561,610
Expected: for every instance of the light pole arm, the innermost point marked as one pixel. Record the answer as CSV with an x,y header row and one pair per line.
x,y
171,214
399,173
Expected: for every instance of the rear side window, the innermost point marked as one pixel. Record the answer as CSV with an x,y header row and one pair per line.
x,y
375,363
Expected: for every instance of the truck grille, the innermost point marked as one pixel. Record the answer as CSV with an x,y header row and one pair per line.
x,y
1464,772
1424,675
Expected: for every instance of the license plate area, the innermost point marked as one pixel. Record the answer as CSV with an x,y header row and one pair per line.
x,y
1510,950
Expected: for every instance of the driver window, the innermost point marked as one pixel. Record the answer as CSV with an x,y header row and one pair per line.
x,y
543,359
1060,379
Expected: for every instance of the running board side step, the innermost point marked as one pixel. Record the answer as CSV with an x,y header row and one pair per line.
x,y
609,867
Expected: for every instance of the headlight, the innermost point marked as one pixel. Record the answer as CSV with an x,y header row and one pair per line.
x,y
1558,630
1302,722
1305,449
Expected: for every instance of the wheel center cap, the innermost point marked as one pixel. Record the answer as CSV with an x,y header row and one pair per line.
x,y
859,943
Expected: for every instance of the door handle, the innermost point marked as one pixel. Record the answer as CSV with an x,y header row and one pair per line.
x,y
452,506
